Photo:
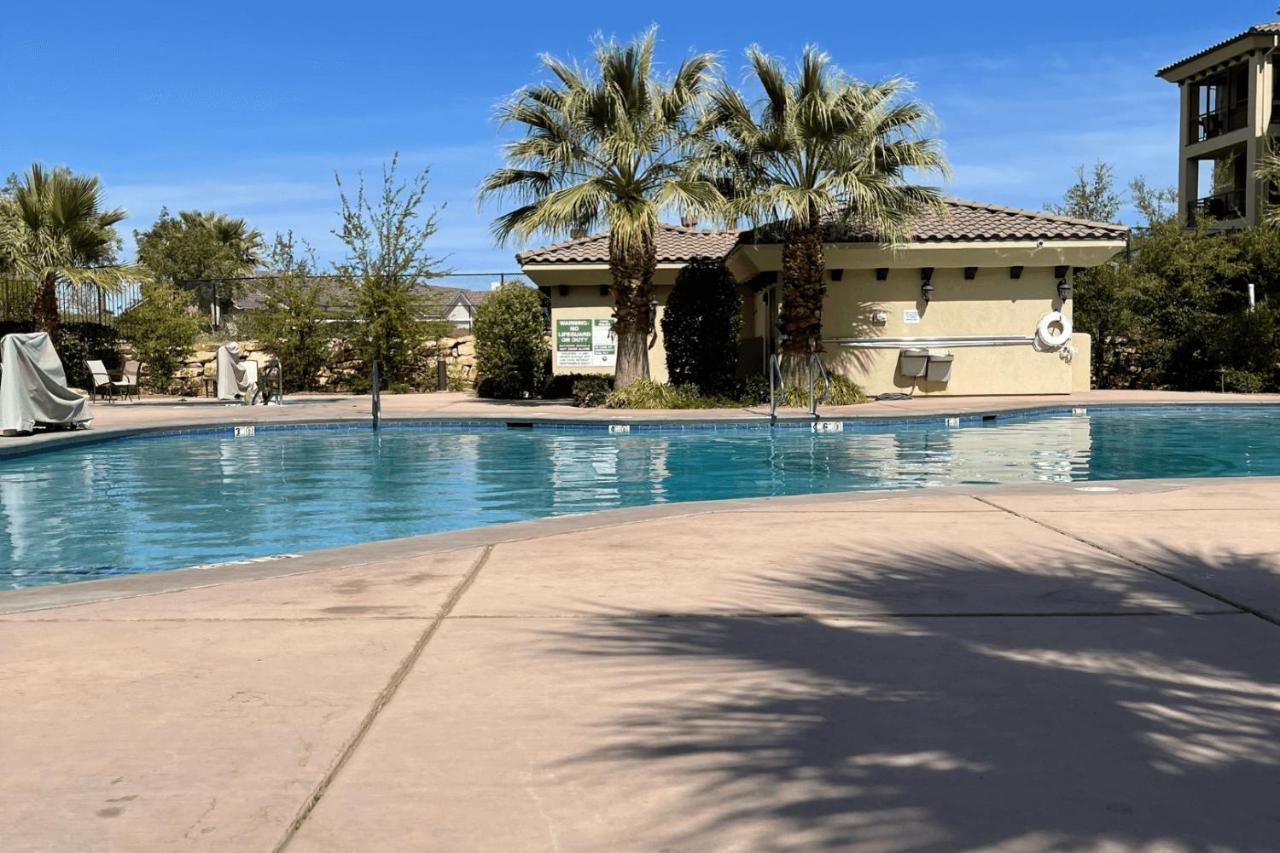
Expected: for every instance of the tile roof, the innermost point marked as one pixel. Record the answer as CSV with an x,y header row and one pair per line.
x,y
1267,29
970,221
675,245
960,222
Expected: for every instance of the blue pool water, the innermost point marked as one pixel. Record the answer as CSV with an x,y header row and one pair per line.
x,y
157,503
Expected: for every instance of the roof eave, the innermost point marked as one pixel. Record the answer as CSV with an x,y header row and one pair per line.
x,y
1219,54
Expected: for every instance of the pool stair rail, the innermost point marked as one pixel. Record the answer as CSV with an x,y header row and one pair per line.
x,y
817,370
777,385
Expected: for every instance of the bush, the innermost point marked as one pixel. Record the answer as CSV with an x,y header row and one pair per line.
x,y
589,392
163,329
843,392
81,342
511,343
701,328
1243,382
292,322
646,394
754,390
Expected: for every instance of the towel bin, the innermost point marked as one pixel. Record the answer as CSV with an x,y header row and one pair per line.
x,y
939,369
913,362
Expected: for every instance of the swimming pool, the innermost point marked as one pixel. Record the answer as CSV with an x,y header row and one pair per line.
x,y
162,502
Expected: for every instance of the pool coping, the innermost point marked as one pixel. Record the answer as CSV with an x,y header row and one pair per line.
x,y
593,422
56,596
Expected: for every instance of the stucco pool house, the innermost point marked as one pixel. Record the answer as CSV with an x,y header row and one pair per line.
x,y
974,282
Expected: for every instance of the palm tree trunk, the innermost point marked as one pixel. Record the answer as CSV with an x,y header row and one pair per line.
x,y
44,312
803,291
631,272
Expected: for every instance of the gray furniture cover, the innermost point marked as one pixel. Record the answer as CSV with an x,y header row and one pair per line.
x,y
235,377
33,387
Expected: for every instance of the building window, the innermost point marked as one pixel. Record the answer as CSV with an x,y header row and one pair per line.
x,y
1220,104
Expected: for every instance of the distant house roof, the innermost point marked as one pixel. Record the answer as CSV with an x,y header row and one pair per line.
x,y
675,243
335,293
959,222
1267,29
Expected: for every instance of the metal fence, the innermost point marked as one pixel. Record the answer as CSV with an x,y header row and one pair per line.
x,y
77,303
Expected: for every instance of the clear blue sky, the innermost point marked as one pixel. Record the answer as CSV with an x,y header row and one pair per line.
x,y
250,108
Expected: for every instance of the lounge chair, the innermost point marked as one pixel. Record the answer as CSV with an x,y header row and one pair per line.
x,y
130,381
99,379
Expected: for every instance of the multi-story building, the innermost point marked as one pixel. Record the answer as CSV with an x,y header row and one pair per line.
x,y
1228,93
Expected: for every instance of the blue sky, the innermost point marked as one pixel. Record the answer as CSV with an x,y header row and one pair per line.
x,y
250,110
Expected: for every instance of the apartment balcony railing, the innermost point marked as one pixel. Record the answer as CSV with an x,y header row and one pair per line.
x,y
1218,122
1217,207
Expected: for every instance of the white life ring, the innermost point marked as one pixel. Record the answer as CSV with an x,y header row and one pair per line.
x,y
1045,335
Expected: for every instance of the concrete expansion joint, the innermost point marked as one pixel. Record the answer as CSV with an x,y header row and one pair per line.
x,y
384,697
1244,608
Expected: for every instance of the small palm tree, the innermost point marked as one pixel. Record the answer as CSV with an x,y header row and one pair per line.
x,y
57,230
1268,172
820,152
607,147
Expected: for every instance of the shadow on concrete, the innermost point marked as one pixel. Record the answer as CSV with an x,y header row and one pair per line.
x,y
1016,732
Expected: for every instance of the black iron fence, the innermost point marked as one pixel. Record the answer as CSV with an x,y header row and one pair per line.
x,y
77,303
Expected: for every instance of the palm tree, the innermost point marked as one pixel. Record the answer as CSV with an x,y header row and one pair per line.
x,y
1268,172
820,153
202,251
56,229
607,147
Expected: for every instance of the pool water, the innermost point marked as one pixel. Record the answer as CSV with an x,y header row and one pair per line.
x,y
156,503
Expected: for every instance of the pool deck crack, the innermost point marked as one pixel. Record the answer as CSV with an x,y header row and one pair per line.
x,y
384,697
1169,576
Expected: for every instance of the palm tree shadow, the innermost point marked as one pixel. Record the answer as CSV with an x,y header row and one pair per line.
x,y
1129,726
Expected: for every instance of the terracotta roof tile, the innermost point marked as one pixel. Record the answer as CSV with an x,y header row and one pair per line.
x,y
962,221
1267,29
675,245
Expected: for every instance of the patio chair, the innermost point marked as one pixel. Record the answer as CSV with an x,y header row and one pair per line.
x,y
99,378
130,381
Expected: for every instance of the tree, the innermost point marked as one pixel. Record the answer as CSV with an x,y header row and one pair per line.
x,y
512,352
607,146
293,322
388,263
701,326
162,328
819,149
1268,172
1157,205
1092,196
202,252
56,229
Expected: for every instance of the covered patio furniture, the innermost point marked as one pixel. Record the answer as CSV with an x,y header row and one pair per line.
x,y
237,378
33,387
99,378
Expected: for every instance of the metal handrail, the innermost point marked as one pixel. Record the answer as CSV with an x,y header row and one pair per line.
x,y
818,370
777,385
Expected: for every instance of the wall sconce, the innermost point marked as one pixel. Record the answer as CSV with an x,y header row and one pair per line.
x,y
1015,273
564,290
604,290
970,273
653,312
926,284
837,275
1064,286
882,274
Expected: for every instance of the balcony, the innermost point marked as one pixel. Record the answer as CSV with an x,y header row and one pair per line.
x,y
1213,124
1218,207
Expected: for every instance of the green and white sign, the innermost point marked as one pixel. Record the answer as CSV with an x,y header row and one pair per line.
x,y
585,343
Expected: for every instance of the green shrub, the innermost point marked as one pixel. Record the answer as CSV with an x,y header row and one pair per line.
x,y
81,342
754,390
646,394
511,343
292,322
844,392
1243,382
701,328
590,392
162,328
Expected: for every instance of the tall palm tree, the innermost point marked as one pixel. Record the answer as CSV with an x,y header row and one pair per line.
x,y
1268,172
819,153
57,230
607,147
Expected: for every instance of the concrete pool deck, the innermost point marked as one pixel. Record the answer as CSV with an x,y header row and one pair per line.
x,y
1020,668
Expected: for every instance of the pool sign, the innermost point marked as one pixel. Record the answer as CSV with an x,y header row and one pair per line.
x,y
585,343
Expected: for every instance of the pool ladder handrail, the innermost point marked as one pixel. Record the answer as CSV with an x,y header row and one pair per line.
x,y
777,385
818,370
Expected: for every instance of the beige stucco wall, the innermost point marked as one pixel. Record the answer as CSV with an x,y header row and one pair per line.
x,y
991,304
585,302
